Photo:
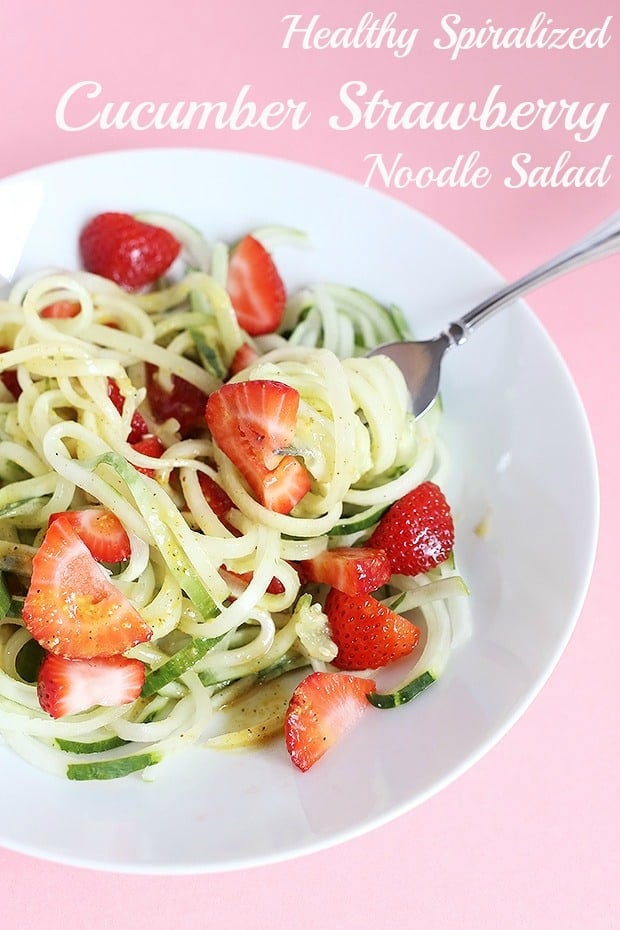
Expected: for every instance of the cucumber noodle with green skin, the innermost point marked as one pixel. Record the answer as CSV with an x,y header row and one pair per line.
x,y
63,446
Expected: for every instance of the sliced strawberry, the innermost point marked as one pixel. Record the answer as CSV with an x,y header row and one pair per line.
x,y
280,489
149,445
323,708
119,247
185,402
71,608
139,426
69,686
354,570
61,310
368,634
417,531
255,287
101,532
245,356
253,423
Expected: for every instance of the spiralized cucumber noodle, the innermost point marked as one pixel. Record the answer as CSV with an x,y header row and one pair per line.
x,y
63,445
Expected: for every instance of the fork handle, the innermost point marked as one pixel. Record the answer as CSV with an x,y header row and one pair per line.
x,y
601,241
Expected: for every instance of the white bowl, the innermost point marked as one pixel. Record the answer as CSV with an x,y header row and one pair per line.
x,y
522,458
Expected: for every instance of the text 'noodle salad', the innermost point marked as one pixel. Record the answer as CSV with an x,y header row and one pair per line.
x,y
206,487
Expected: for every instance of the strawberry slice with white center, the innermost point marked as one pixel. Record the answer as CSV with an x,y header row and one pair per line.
x,y
324,707
253,422
355,570
100,530
70,686
72,609
255,287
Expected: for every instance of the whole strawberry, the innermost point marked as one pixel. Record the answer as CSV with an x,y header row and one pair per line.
x,y
417,531
125,250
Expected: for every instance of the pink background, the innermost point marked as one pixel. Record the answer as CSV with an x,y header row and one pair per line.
x,y
528,838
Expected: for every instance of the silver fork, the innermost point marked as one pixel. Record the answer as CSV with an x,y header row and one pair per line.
x,y
420,362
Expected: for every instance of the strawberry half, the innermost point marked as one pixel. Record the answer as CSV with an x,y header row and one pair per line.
x,y
101,532
253,422
71,608
323,708
132,253
368,634
69,686
417,531
255,288
350,569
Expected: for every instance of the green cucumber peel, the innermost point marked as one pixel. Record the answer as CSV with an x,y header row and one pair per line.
x,y
399,322
166,538
209,682
5,598
403,695
395,604
178,664
25,505
359,521
14,610
287,663
272,236
393,321
100,745
209,356
111,768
